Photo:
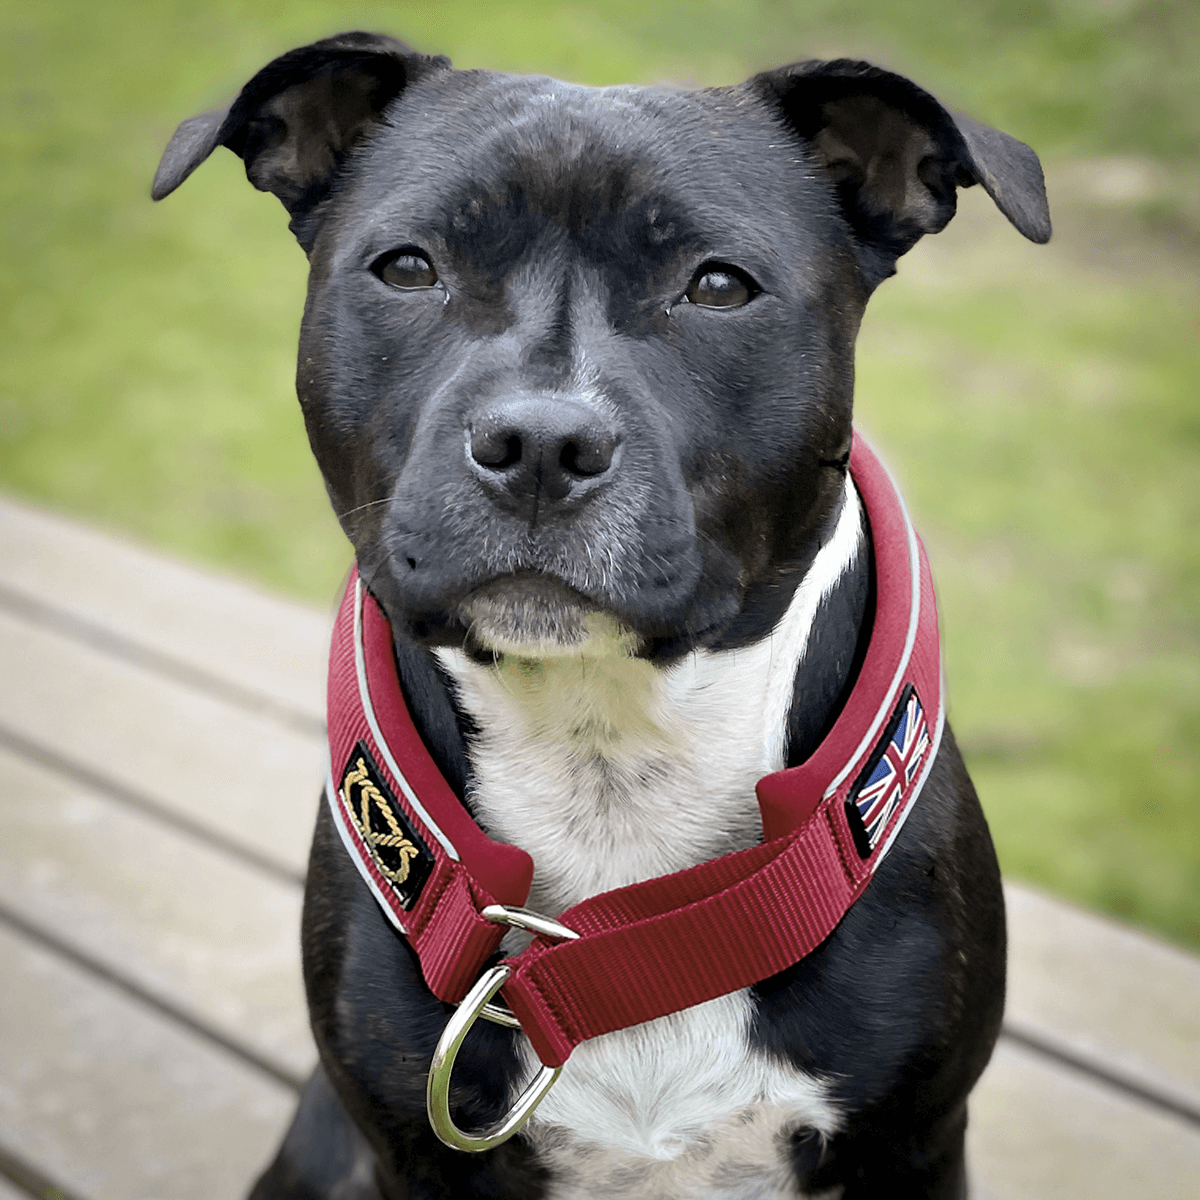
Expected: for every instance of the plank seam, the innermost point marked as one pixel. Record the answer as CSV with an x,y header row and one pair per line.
x,y
31,1180
88,962
94,635
148,806
1112,1075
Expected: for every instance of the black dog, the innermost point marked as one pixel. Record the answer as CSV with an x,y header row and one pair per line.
x,y
577,366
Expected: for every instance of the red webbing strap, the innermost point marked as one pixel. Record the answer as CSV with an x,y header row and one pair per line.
x,y
450,937
728,924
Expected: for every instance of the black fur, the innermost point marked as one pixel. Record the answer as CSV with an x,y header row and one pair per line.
x,y
698,461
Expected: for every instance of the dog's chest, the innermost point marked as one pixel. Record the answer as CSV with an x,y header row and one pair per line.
x,y
608,771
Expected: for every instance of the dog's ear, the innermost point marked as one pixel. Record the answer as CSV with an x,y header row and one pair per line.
x,y
895,155
294,123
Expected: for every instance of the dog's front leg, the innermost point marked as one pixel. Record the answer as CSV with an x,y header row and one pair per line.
x,y
323,1156
931,1166
361,1130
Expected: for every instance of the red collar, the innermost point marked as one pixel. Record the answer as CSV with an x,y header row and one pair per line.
x,y
665,944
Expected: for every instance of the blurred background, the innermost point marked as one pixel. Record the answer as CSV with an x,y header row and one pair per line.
x,y
1039,404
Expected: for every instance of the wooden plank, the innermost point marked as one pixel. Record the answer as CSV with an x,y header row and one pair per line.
x,y
1105,994
209,622
1038,1130
196,929
115,1102
244,777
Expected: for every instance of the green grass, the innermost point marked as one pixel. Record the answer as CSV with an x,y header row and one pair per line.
x,y
1039,403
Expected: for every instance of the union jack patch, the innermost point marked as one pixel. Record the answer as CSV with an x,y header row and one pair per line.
x,y
887,778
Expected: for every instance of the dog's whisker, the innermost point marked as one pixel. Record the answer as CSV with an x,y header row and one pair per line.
x,y
341,516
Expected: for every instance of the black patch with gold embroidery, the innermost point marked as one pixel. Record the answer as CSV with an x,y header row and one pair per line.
x,y
396,848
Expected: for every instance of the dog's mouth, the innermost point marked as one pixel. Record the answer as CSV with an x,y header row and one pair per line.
x,y
536,616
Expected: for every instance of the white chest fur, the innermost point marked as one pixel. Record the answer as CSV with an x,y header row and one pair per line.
x,y
608,770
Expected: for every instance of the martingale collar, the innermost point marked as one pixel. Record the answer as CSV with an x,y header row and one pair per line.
x,y
667,943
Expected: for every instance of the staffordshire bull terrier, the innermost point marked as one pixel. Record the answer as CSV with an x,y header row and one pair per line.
x,y
577,366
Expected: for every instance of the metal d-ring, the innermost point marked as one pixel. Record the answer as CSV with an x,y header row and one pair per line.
x,y
475,1005
437,1092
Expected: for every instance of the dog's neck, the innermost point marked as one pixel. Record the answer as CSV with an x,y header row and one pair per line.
x,y
608,769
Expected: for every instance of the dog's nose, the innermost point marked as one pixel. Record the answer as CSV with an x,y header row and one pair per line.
x,y
547,446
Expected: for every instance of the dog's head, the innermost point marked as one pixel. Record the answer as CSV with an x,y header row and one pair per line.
x,y
578,356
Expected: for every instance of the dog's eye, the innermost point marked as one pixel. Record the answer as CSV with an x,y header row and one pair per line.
x,y
716,285
405,269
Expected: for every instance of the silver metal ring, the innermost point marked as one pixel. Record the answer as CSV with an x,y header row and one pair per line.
x,y
530,921
437,1091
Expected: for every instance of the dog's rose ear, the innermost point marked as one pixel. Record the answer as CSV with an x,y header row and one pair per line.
x,y
295,121
895,155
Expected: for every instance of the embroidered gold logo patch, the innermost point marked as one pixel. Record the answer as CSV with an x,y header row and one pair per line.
x,y
396,848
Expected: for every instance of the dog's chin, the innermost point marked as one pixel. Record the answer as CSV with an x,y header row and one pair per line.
x,y
541,618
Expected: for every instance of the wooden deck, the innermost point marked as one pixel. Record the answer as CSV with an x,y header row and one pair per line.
x,y
160,758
